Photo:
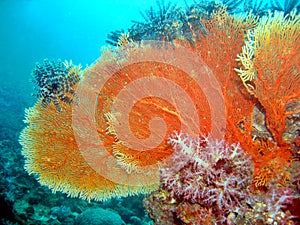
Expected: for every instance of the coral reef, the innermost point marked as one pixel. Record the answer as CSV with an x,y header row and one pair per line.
x,y
249,176
207,181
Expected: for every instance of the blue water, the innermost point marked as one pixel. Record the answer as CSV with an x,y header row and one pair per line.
x,y
31,30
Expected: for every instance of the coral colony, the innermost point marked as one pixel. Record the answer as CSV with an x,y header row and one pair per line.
x,y
214,173
248,176
207,181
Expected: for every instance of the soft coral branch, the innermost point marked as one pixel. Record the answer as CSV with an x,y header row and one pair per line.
x,y
212,171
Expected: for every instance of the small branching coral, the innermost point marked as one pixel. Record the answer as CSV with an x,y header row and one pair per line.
x,y
55,81
208,172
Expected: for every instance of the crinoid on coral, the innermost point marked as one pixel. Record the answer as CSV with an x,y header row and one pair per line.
x,y
167,23
287,7
55,81
158,25
118,38
257,7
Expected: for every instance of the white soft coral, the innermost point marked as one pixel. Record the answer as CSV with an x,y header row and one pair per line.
x,y
207,171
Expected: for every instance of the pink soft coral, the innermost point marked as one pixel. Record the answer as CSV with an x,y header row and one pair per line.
x,y
207,181
207,171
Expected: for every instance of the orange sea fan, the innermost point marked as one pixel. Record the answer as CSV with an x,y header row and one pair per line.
x,y
270,61
218,50
144,94
112,139
277,57
228,33
270,72
89,149
51,152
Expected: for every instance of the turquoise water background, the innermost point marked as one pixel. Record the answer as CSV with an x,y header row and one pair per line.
x,y
32,30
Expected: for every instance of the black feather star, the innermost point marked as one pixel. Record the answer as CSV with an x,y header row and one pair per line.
x,y
55,81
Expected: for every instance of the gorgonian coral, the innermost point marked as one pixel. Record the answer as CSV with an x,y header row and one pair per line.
x,y
208,171
81,149
55,81
270,72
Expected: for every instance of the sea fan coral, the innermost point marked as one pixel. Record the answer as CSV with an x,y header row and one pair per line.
x,y
227,32
275,82
157,83
208,171
51,152
270,72
83,153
